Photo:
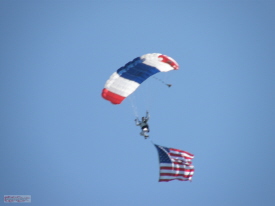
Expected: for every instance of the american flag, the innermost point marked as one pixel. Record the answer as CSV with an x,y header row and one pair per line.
x,y
174,164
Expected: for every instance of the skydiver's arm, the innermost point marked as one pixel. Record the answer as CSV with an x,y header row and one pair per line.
x,y
137,121
147,116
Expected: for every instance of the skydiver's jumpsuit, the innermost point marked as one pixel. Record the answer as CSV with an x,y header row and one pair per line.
x,y
144,126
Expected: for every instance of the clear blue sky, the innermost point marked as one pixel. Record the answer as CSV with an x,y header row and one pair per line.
x,y
63,144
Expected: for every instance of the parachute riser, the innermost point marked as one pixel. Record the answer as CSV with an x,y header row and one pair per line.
x,y
163,82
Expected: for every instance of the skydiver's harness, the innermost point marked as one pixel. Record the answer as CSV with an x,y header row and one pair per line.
x,y
146,128
144,125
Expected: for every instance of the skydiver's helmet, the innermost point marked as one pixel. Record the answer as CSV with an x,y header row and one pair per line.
x,y
143,119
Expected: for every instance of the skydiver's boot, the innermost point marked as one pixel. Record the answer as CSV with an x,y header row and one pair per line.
x,y
145,134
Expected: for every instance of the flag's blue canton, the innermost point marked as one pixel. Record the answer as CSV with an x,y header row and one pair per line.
x,y
163,156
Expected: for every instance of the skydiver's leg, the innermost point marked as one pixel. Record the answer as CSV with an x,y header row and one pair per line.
x,y
145,132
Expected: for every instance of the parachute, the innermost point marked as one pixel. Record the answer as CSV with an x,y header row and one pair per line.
x,y
127,79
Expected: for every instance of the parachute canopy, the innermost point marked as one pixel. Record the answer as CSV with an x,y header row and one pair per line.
x,y
127,79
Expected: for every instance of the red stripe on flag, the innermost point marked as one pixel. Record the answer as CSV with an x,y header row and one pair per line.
x,y
181,151
167,180
177,169
176,175
180,155
182,163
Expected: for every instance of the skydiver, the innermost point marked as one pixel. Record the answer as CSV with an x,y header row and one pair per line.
x,y
144,125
